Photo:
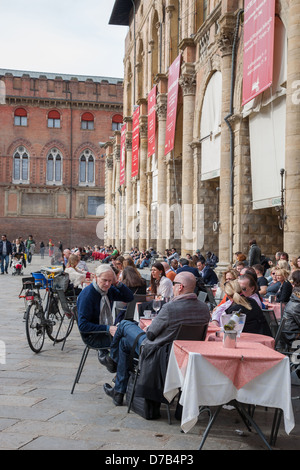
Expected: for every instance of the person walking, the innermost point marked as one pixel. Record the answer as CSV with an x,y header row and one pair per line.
x,y
5,252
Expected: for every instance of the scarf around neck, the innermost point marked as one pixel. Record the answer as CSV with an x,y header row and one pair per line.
x,y
105,317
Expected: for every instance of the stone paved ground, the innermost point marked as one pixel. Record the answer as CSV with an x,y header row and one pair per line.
x,y
37,411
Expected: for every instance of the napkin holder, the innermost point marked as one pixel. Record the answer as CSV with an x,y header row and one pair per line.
x,y
229,339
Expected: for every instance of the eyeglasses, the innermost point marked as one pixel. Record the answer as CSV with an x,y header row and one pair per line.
x,y
244,289
174,283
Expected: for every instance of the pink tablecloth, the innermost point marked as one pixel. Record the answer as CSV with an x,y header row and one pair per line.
x,y
240,365
246,337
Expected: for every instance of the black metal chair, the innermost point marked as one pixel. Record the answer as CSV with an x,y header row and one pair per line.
x,y
86,352
185,333
272,321
138,298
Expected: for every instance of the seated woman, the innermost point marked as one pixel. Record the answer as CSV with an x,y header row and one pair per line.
x,y
274,285
285,289
160,285
255,320
133,280
119,264
229,275
76,276
292,312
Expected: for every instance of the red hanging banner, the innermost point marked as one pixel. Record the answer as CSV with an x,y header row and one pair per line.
x,y
135,142
259,27
151,121
123,155
173,87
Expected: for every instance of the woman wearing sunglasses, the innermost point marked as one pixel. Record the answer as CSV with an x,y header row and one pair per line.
x,y
274,285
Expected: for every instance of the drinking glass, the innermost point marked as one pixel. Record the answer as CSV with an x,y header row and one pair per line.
x,y
156,305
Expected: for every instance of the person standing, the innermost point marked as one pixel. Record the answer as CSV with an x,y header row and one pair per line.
x,y
254,255
42,250
30,245
5,252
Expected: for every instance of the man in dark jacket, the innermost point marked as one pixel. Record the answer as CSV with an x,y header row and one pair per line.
x,y
208,274
184,308
5,252
254,256
94,306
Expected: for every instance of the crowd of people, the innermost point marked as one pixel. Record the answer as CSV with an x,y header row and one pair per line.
x,y
244,286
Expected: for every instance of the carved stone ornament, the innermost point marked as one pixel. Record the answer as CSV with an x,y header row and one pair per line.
x,y
188,84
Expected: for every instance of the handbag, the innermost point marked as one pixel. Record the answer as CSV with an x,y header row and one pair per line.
x,y
147,409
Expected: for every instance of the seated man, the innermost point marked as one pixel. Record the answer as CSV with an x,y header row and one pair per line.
x,y
261,280
184,308
208,274
94,306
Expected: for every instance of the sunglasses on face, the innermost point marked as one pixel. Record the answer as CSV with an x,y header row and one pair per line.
x,y
174,283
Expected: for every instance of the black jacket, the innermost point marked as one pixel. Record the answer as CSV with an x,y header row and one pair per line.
x,y
291,329
255,320
284,293
8,247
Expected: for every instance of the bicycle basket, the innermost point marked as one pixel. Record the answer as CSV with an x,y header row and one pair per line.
x,y
61,282
40,279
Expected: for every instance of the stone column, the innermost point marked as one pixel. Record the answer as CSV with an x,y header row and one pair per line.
x,y
129,201
292,158
227,26
161,108
117,156
143,174
108,226
188,85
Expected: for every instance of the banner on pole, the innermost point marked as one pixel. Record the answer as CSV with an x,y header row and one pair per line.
x,y
123,155
259,27
152,121
173,87
135,142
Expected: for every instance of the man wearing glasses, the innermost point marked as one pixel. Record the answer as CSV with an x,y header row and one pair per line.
x,y
5,252
184,308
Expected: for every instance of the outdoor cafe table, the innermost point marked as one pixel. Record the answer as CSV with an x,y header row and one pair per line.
x,y
210,375
248,337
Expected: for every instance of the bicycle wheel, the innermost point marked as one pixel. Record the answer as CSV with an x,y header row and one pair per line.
x,y
60,325
35,329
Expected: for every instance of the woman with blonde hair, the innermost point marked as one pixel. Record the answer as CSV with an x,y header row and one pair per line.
x,y
285,290
255,320
76,276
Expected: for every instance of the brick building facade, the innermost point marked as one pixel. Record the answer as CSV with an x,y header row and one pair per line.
x,y
52,172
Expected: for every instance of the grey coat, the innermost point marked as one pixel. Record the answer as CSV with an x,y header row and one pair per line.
x,y
184,309
254,255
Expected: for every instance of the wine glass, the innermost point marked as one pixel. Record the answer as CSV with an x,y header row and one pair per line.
x,y
156,305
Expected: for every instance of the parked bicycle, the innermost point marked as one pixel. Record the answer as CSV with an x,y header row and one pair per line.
x,y
54,313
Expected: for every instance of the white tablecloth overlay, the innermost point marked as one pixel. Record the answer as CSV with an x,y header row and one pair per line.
x,y
202,384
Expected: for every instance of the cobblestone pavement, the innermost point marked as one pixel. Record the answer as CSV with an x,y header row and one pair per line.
x,y
38,412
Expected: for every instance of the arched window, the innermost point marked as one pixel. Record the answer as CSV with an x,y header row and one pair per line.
x,y
87,168
117,122
54,167
54,119
20,117
87,121
21,166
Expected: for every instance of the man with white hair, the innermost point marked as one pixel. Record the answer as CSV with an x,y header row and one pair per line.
x,y
94,306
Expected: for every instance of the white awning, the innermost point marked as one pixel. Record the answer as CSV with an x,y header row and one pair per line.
x,y
210,131
267,144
